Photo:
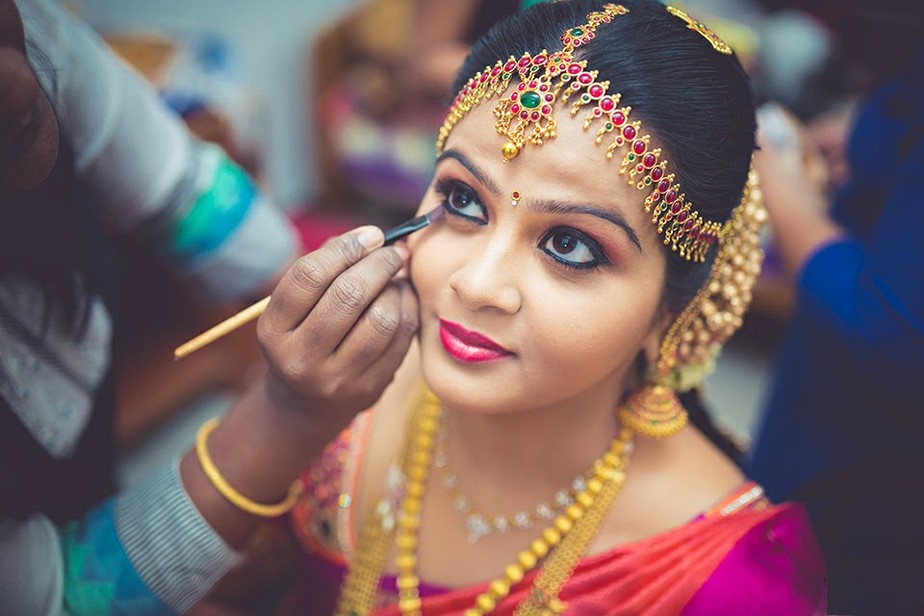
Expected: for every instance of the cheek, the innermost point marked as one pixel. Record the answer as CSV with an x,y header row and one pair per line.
x,y
585,336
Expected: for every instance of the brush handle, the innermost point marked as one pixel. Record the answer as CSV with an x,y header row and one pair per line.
x,y
225,327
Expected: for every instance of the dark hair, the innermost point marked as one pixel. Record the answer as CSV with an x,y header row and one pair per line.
x,y
695,101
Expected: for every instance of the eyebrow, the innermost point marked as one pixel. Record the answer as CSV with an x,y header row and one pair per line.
x,y
472,168
554,206
546,206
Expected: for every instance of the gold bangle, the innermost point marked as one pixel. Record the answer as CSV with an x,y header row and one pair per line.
x,y
233,496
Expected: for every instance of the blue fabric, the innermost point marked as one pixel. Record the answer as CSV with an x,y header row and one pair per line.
x,y
843,430
98,576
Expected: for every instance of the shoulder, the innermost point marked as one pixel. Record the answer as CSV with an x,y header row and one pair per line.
x,y
669,483
776,564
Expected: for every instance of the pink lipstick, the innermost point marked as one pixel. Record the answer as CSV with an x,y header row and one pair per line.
x,y
468,346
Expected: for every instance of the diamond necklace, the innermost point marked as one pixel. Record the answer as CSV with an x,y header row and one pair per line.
x,y
480,525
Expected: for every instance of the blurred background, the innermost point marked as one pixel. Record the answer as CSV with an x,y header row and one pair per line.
x,y
334,106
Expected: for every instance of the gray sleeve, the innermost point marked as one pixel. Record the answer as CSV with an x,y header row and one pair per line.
x,y
172,547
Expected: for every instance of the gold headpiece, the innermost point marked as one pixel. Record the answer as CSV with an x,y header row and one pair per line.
x,y
701,28
547,79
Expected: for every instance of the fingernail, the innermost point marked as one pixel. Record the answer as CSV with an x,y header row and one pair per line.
x,y
371,237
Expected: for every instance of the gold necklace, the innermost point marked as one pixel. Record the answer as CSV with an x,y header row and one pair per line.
x,y
564,542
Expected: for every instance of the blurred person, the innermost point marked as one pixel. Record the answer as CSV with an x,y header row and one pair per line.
x,y
89,156
843,431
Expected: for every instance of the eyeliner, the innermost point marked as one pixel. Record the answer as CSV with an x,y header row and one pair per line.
x,y
412,225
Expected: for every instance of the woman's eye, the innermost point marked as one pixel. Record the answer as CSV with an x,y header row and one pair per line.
x,y
572,248
461,200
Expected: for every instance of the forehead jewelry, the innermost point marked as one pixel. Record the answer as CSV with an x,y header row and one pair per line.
x,y
525,115
701,28
515,198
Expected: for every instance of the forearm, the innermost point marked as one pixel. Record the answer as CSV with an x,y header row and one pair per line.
x,y
260,447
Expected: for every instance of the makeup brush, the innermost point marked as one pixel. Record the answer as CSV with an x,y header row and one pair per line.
x,y
252,312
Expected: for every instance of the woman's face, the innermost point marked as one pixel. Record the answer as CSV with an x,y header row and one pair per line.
x,y
544,302
28,129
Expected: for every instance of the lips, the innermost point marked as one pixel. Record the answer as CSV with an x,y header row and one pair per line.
x,y
468,346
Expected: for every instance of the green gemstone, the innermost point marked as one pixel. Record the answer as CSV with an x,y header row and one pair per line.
x,y
609,126
631,157
530,99
585,97
576,31
647,181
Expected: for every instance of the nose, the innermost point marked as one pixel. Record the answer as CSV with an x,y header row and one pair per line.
x,y
488,280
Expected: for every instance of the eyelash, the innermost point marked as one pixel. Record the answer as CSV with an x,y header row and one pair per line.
x,y
447,187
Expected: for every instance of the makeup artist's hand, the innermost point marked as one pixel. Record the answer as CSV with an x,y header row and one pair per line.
x,y
338,326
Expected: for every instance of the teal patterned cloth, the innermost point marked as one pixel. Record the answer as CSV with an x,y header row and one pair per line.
x,y
99,579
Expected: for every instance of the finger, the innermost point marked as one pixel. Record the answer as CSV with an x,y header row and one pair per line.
x,y
349,297
306,282
384,367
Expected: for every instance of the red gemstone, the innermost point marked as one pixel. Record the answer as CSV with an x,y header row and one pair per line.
x,y
683,216
597,112
495,71
663,186
619,118
595,91
574,68
540,60
639,168
671,196
546,109
533,84
524,115
585,78
543,88
521,87
655,196
628,132
514,108
514,96
535,115
549,97
675,208
524,61
695,231
656,173
688,225
510,66
483,78
649,161
639,147
607,104
575,86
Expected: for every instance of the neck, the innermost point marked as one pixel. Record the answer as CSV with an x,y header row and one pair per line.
x,y
530,452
